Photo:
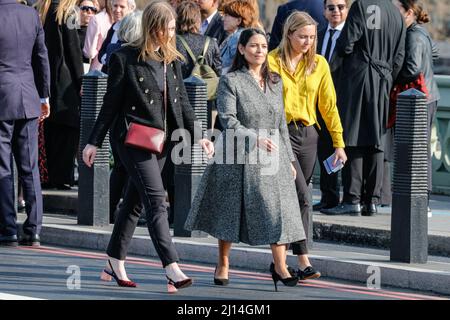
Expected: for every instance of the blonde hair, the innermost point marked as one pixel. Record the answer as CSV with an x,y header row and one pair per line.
x,y
295,21
65,9
42,9
156,18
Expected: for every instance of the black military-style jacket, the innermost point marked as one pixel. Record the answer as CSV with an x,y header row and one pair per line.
x,y
133,94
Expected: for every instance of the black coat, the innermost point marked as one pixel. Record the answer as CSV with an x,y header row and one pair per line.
x,y
420,53
313,7
196,43
372,59
215,29
104,48
133,93
66,69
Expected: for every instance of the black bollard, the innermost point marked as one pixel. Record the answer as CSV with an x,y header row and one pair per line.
x,y
93,183
409,221
188,176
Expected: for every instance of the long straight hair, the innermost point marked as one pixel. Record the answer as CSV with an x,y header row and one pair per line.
x,y
156,18
294,22
109,9
240,62
42,7
65,9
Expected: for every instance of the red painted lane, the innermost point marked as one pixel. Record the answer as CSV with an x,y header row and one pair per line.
x,y
321,284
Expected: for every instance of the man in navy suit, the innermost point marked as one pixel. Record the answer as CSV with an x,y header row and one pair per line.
x,y
24,92
313,7
212,21
335,11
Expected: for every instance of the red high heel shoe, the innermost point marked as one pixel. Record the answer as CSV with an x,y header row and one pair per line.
x,y
172,286
107,275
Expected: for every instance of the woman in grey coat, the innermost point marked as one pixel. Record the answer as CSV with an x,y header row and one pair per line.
x,y
248,193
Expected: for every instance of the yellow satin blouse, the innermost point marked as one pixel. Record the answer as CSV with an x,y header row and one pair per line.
x,y
303,93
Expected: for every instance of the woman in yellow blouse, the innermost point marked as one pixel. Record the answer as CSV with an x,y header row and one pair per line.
x,y
307,86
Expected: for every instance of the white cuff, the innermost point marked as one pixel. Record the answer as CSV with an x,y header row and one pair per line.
x,y
45,100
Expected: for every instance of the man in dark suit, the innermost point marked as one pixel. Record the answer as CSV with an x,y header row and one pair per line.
x,y
313,7
24,68
372,46
335,12
212,21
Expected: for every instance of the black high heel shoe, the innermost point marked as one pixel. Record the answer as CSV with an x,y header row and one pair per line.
x,y
291,270
220,281
172,286
290,282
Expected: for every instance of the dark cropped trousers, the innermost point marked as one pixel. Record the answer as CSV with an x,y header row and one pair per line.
x,y
304,144
144,183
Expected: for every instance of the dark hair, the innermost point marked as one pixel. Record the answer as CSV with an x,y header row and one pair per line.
x,y
347,3
239,59
417,8
188,17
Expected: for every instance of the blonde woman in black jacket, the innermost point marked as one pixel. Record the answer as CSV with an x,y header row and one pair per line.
x,y
135,94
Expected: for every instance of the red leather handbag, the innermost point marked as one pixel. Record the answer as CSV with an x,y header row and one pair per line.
x,y
145,137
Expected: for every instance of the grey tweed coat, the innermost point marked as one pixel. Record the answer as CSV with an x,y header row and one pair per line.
x,y
251,197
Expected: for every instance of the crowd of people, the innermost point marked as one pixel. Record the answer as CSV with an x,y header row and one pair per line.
x,y
286,93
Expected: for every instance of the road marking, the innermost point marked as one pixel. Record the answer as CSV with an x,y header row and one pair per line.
x,y
321,284
7,296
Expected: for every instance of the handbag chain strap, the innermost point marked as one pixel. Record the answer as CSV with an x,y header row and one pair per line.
x,y
165,98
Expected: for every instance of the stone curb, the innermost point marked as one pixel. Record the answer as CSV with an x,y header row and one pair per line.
x,y
338,233
376,238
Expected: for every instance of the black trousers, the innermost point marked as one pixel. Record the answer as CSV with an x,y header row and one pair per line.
x,y
386,190
61,145
329,186
118,180
363,175
304,144
146,185
20,138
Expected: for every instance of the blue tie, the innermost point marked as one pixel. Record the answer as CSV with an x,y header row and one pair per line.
x,y
204,26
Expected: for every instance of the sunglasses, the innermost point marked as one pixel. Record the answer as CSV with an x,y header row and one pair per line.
x,y
341,7
88,8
